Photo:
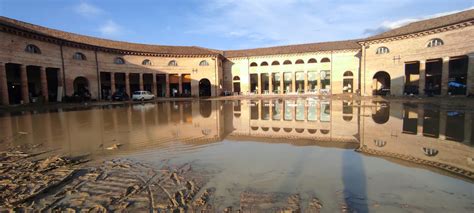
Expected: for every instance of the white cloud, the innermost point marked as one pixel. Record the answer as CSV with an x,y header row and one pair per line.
x,y
110,28
389,25
87,10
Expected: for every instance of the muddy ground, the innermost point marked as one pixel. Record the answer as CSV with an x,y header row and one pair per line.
x,y
50,183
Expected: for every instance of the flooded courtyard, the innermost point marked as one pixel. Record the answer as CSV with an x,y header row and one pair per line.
x,y
270,155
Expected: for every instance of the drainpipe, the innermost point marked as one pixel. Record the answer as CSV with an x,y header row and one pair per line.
x,y
98,76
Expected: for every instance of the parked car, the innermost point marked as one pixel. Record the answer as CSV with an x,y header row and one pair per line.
x,y
120,96
142,95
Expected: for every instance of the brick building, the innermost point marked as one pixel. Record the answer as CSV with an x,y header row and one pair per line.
x,y
429,57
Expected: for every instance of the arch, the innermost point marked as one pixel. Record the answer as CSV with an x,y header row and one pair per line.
x,y
205,108
81,86
430,152
312,131
254,128
146,62
237,114
204,87
325,60
275,129
274,63
119,60
347,117
348,74
380,143
312,61
299,61
299,130
203,63
31,48
435,42
287,62
253,64
264,63
382,50
265,129
324,131
236,78
381,83
173,63
79,56
382,112
287,129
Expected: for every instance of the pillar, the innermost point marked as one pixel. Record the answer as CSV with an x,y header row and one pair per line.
x,y
282,89
421,118
140,81
305,81
127,84
167,76
293,82
470,75
467,127
445,76
44,84
180,84
4,85
153,87
443,117
112,83
259,83
270,83
422,79
24,85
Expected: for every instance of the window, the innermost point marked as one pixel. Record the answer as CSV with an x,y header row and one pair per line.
x,y
312,60
382,50
79,56
30,48
299,61
173,63
275,63
264,63
119,60
236,78
253,64
287,62
325,60
435,42
348,73
146,62
203,63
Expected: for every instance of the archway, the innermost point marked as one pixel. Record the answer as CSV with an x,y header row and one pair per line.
x,y
381,83
380,112
204,87
347,82
81,86
236,84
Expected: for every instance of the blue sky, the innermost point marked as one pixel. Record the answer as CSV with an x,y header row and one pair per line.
x,y
227,24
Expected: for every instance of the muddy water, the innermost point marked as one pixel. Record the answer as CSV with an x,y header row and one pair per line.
x,y
355,156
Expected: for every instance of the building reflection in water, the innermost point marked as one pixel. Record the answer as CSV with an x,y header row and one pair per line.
x,y
407,131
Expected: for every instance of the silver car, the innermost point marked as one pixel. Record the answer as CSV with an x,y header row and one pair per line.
x,y
142,96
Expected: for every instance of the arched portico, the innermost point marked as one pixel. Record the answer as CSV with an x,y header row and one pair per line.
x,y
381,83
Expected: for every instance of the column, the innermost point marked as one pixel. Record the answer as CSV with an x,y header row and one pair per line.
x,y
282,83
421,118
259,83
305,81
127,84
443,116
4,85
445,76
24,85
470,75
140,81
44,84
293,82
180,84
167,86
467,127
422,79
153,87
270,83
112,83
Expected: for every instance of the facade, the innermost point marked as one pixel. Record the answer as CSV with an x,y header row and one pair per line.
x,y
430,57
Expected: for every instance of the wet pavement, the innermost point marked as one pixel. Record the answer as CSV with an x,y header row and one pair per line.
x,y
272,155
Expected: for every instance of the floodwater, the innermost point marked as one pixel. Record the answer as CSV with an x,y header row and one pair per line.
x,y
355,156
